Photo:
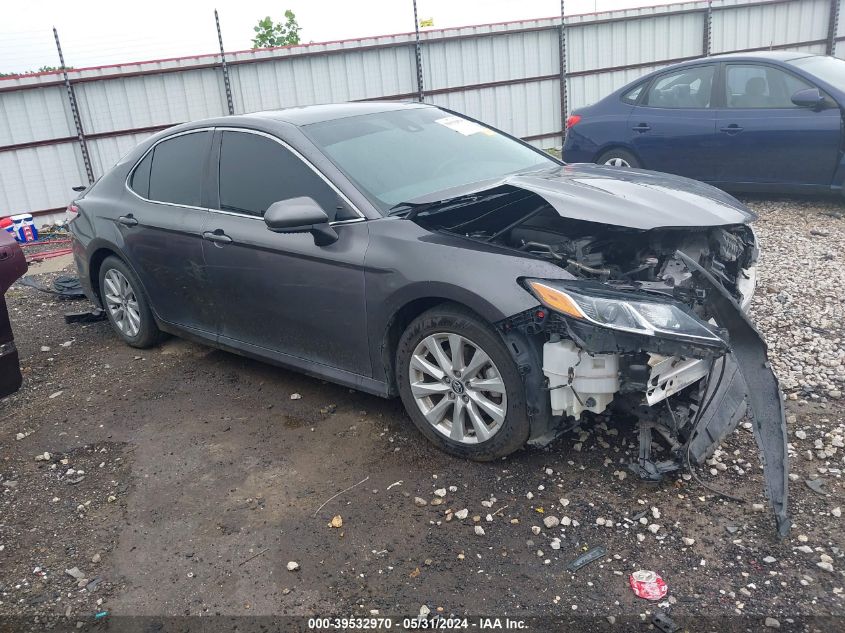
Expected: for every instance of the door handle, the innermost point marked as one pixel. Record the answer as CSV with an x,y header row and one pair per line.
x,y
733,128
217,236
642,127
128,220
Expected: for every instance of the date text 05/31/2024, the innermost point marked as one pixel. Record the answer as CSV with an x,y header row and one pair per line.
x,y
416,624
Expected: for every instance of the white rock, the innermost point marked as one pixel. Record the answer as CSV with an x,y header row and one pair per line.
x,y
293,565
601,521
772,623
555,544
462,514
825,566
654,528
479,530
535,529
296,396
551,521
440,492
487,504
688,541
801,434
837,512
805,549
655,512
563,502
770,559
529,496
640,537
566,521
420,502
424,611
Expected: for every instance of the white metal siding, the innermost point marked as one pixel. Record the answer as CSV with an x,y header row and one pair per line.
x,y
504,74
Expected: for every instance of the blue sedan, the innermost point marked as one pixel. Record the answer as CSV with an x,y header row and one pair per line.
x,y
753,122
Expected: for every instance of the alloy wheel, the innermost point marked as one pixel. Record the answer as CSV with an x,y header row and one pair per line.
x,y
122,303
617,162
458,388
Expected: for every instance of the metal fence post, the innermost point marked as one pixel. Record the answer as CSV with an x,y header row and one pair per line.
x,y
708,29
832,27
420,88
564,105
225,67
74,109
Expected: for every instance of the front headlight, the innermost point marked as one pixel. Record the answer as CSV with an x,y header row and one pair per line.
x,y
621,313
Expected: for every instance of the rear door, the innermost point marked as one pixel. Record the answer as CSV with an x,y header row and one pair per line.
x,y
162,226
763,138
672,128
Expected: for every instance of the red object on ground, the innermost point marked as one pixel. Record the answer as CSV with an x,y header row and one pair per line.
x,y
49,254
648,584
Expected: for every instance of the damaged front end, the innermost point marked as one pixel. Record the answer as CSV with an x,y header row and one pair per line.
x,y
647,322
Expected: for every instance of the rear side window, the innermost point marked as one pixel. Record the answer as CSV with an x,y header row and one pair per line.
x,y
632,95
176,173
685,88
140,182
256,171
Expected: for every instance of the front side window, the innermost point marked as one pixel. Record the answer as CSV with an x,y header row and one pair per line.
x,y
177,166
256,171
414,153
687,88
756,86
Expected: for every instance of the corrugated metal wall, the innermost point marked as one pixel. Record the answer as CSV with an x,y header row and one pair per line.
x,y
505,74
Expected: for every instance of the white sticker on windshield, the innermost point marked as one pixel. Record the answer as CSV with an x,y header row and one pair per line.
x,y
462,126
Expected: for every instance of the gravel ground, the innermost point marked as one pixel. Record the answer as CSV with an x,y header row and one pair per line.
x,y
184,481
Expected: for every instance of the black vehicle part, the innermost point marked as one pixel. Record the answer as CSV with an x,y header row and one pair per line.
x,y
586,558
64,287
664,623
762,392
645,467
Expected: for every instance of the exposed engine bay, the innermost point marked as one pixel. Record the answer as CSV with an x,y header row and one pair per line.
x,y
646,323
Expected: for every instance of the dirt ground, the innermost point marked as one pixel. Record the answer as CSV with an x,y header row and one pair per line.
x,y
182,481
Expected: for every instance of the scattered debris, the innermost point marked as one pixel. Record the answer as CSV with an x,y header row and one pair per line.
x,y
336,522
648,584
586,558
293,565
664,623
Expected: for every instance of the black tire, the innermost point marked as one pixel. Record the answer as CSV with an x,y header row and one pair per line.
x,y
451,318
618,154
147,334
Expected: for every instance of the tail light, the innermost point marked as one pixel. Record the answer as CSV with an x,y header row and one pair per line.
x,y
572,120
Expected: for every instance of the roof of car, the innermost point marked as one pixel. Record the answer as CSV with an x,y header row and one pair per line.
x,y
305,115
777,56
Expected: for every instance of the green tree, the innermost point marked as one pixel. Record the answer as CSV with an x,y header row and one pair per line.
x,y
268,34
43,69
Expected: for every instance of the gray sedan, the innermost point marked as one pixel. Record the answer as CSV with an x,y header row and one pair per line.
x,y
408,250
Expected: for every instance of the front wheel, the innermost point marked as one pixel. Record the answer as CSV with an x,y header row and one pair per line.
x,y
460,385
618,158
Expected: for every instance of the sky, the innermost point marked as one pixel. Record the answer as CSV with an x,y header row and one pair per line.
x,y
98,32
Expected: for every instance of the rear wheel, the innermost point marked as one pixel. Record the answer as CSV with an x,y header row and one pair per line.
x,y
126,305
618,158
460,385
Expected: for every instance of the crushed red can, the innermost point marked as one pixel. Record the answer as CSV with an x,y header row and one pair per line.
x,y
648,584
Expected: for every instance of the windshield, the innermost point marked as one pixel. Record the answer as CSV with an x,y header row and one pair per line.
x,y
401,155
828,69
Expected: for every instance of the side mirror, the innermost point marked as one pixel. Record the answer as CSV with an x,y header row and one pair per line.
x,y
809,98
300,215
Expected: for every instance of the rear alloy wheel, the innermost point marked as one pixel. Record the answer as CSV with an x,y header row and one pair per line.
x,y
126,304
618,158
460,385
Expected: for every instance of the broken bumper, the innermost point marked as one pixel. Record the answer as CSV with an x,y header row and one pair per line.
x,y
704,388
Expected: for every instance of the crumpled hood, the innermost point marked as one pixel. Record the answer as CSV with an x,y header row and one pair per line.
x,y
632,198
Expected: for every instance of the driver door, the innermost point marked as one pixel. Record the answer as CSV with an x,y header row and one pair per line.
x,y
763,138
280,295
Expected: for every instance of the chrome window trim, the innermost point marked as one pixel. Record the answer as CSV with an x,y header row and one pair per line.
x,y
144,155
361,217
296,153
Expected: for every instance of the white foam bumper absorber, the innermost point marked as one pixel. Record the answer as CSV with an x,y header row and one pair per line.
x,y
579,381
